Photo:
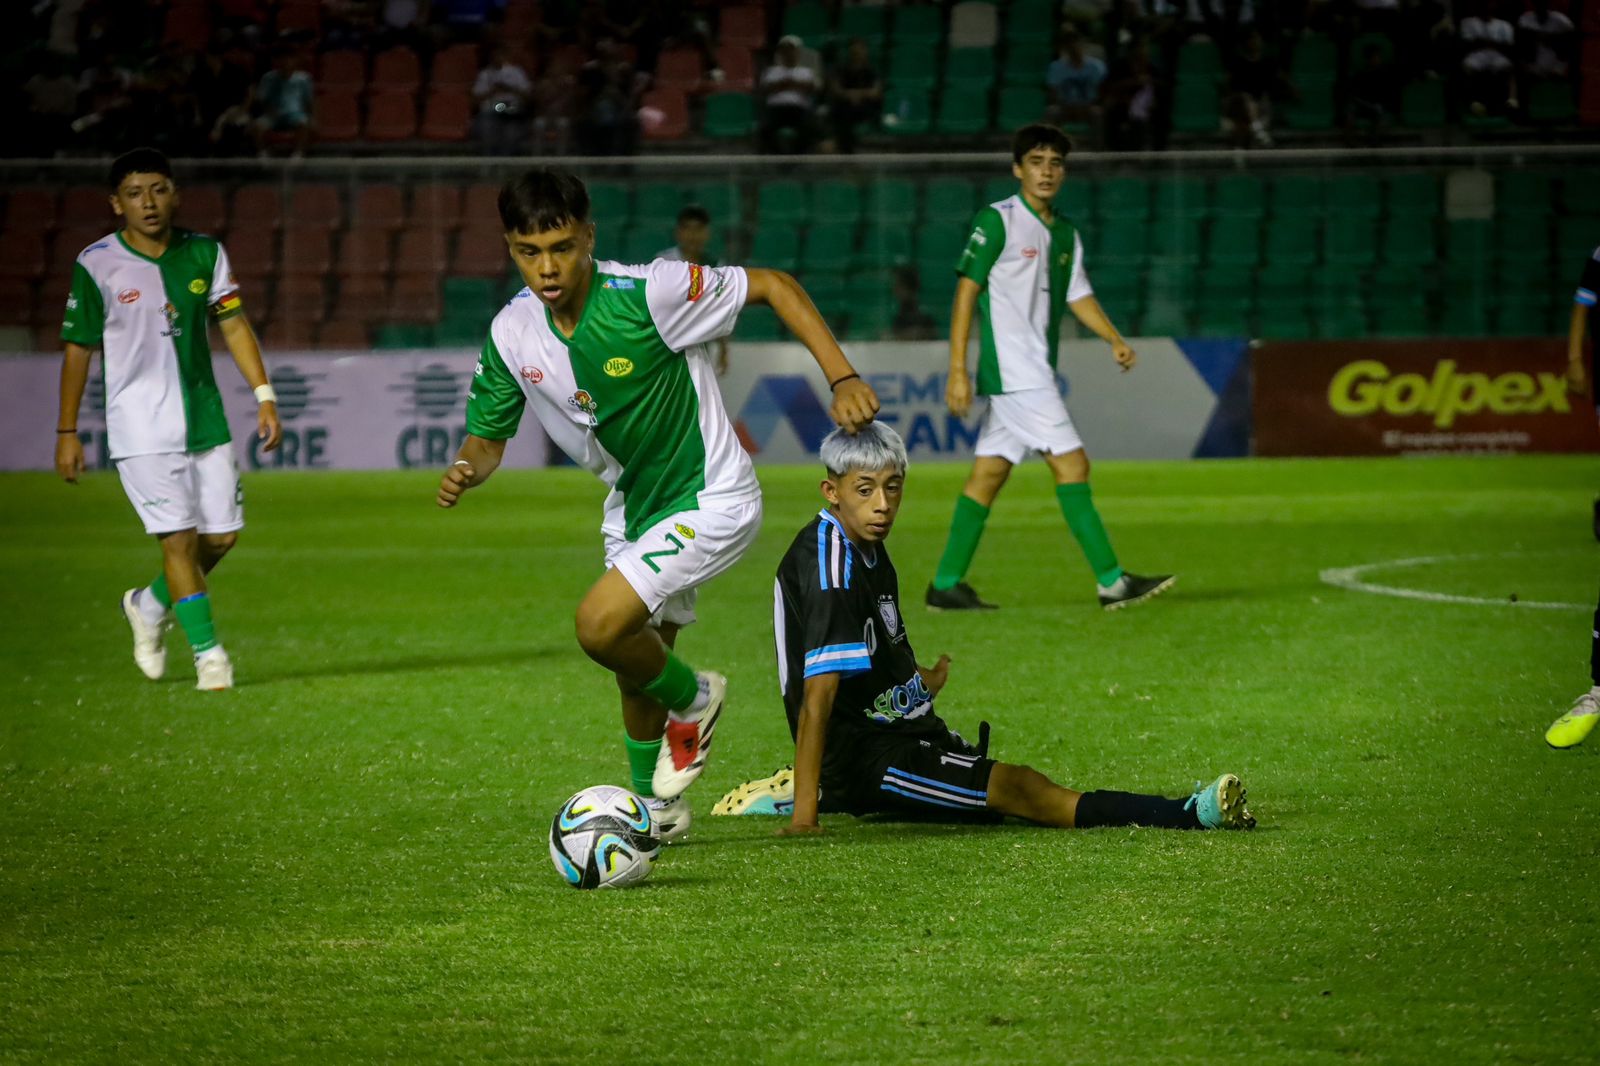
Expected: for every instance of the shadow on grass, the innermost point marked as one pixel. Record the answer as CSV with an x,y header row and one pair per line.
x,y
411,664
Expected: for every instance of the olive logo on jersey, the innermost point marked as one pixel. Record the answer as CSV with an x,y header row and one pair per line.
x,y
173,330
618,367
127,296
585,403
197,286
1030,253
683,531
890,615
697,282
1064,258
529,373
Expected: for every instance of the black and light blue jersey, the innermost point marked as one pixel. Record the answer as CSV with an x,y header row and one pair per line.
x,y
1588,295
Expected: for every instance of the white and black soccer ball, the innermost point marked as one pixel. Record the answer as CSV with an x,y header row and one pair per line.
x,y
604,837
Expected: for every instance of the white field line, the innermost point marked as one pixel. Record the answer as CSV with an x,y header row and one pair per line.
x,y
1351,577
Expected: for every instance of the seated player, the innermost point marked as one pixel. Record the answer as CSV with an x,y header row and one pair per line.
x,y
867,739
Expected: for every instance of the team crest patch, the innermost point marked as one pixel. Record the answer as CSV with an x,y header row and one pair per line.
x,y
197,286
890,615
127,296
618,367
582,401
171,313
697,282
533,374
683,531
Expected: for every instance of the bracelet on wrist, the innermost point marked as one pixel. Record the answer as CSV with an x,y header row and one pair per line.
x,y
835,384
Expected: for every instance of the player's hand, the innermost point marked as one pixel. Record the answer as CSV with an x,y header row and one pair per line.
x,y
456,480
1124,355
958,394
935,679
800,830
69,457
854,404
1575,376
268,428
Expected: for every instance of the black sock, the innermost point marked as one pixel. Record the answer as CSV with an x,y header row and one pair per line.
x,y
1104,807
1594,650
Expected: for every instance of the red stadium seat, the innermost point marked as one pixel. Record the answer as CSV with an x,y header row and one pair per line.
x,y
25,259
253,251
448,115
480,205
391,116
299,16
744,26
379,207
16,303
680,68
436,204
70,243
30,209
338,112
738,67
669,109
202,208
342,70
366,252
365,293
188,25
307,249
414,298
301,299
397,69
568,59
480,252
455,68
424,250
292,329
315,204
259,206
88,205
344,334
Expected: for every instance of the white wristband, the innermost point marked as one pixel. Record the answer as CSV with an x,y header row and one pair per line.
x,y
265,394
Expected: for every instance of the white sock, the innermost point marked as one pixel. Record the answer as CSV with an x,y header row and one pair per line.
x,y
702,700
213,652
149,608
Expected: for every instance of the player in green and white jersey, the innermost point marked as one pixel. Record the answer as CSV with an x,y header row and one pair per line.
x,y
615,362
1021,269
145,296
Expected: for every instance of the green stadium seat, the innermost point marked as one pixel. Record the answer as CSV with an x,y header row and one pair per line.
x,y
1118,240
887,245
1525,193
1235,242
405,335
1344,320
807,20
962,112
1312,111
1422,104
892,200
1525,318
1291,242
1412,194
1551,102
1195,108
776,245
757,324
1199,60
1182,198
721,200
997,189
469,295
1223,320
459,333
1169,277
1358,196
730,116
1125,198
1285,323
948,199
828,247
827,291
1240,196
1284,285
1402,314
1315,63
921,26
1526,241
1030,19
1228,285
640,243
1115,282
939,244
1351,242
610,202
1463,317
871,312
1177,238
783,202
907,112
913,67
871,23
834,201
1470,244
1296,196
936,288
1021,104
658,204
1410,240
1027,59
970,70
1164,318
1358,49
1075,202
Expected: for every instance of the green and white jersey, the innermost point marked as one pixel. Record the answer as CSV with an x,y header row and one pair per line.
x,y
1029,272
149,317
632,396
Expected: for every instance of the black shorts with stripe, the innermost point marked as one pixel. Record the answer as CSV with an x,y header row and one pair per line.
x,y
939,778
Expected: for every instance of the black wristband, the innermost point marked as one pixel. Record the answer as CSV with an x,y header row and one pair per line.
x,y
835,384
74,429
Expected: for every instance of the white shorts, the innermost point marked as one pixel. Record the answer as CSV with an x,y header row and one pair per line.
x,y
672,558
1020,423
173,491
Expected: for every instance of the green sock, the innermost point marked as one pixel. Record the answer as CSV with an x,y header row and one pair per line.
x,y
194,615
1090,532
965,529
642,764
158,589
676,688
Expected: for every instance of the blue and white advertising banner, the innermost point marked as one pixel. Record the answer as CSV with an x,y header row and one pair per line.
x,y
339,412
1185,398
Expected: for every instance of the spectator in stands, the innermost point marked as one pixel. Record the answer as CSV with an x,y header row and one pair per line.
x,y
1374,89
1486,45
403,22
691,238
284,99
855,95
504,95
789,88
1074,79
1131,101
554,101
1427,38
103,103
225,82
50,98
911,322
1546,38
1254,79
1378,16
463,20
607,105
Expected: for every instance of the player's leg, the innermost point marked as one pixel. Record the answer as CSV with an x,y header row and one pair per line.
x,y
1574,727
1117,587
644,722
949,590
1024,792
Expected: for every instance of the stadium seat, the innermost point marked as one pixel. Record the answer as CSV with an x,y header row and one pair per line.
x,y
886,245
743,27
253,251
1342,322
1422,104
202,209
1020,105
1195,108
913,68
1523,317
17,306
1525,241
1178,239
30,209
948,200
996,189
828,247
84,205
1227,285
1358,196
391,116
639,244
1412,194
261,205
314,205
1182,198
1410,240
1199,62
1291,241
347,335
1401,314
1315,64
721,199
871,23
1312,110
1551,102
480,251
968,71
1352,242
680,68
657,205
1027,59
730,116
1118,240
342,69
673,107
456,67
447,116
396,70
366,252
974,24
299,17
1284,323
1296,196
835,202
1463,317
1165,318
907,111
1525,193
1031,18
425,249
782,203
807,20
338,113
892,200
758,325
1240,196
921,26
738,67
1235,241
610,202
1125,198
188,25
378,207
307,249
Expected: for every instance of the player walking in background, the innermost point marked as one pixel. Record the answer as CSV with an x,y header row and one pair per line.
x,y
1022,267
867,737
614,361
144,296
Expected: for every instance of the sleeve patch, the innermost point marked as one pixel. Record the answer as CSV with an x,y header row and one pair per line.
x,y
228,306
697,283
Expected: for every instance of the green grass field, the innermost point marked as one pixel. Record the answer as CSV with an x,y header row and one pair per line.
x,y
345,857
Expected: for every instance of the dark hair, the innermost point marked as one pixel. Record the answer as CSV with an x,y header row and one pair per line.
x,y
1039,135
694,213
542,199
139,161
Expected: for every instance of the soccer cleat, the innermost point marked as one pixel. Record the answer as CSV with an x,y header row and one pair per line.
x,y
684,747
213,670
1572,728
149,641
671,818
1220,805
765,795
960,597
1131,589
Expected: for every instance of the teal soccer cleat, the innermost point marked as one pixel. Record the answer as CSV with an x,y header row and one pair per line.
x,y
1220,805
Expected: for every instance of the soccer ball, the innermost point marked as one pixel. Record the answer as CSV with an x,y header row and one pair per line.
x,y
604,837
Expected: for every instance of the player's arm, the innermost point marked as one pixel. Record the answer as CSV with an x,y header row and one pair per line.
x,y
936,675
1087,309
246,352
1583,302
854,402
958,387
74,376
810,737
477,459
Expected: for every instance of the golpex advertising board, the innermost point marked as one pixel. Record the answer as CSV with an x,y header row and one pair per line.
x,y
1418,398
339,412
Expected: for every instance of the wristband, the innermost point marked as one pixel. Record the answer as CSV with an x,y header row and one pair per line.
x,y
265,394
835,384
74,429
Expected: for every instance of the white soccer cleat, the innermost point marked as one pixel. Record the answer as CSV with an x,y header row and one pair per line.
x,y
149,641
213,670
672,818
688,739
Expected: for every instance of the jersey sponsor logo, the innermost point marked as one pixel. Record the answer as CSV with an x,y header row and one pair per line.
x,y
1367,386
529,373
197,286
1030,253
697,283
890,615
173,329
617,283
127,296
909,700
683,531
618,367
582,401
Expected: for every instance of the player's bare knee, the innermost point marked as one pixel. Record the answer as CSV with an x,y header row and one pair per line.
x,y
216,545
1071,467
184,544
